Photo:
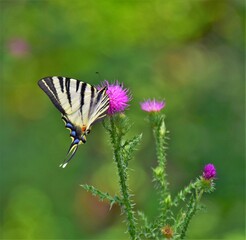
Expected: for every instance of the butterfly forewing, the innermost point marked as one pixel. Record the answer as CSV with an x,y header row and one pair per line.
x,y
80,103
48,87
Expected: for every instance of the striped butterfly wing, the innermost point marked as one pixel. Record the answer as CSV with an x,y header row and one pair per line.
x,y
80,105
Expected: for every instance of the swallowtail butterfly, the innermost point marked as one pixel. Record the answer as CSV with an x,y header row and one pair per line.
x,y
80,104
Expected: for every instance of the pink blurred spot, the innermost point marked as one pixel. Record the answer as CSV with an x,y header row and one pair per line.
x,y
18,47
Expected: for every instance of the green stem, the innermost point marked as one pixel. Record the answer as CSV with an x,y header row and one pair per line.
x,y
192,209
159,131
122,172
181,196
199,196
161,158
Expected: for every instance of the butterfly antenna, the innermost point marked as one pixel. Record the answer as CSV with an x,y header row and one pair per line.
x,y
71,151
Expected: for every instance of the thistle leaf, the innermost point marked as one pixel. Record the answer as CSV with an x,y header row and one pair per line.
x,y
102,195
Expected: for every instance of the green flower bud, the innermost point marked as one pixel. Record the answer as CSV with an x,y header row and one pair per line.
x,y
158,171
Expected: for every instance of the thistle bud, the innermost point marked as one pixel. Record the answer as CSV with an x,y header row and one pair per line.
x,y
167,231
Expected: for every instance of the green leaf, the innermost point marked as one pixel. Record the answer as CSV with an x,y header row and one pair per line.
x,y
129,146
102,195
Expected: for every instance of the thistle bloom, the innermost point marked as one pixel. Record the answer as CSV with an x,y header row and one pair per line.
x,y
118,97
209,171
152,105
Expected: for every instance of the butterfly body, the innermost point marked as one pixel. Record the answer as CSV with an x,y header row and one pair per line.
x,y
80,104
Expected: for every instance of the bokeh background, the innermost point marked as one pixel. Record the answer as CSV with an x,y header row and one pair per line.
x,y
190,53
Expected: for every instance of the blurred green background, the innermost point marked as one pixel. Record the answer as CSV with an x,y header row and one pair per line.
x,y
190,53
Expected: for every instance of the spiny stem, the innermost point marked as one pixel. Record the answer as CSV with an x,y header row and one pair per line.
x,y
192,208
181,196
122,172
159,131
161,156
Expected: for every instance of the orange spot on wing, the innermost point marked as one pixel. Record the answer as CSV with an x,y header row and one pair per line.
x,y
83,128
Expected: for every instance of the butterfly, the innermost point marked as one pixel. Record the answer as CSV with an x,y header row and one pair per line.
x,y
80,104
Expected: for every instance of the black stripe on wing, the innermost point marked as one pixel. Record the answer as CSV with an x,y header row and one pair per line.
x,y
67,82
92,100
98,112
61,83
104,104
47,85
77,85
100,94
82,95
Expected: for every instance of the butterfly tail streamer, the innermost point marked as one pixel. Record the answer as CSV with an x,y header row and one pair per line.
x,y
71,152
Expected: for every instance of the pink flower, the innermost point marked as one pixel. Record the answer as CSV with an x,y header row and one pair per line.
x,y
118,97
18,47
152,105
209,171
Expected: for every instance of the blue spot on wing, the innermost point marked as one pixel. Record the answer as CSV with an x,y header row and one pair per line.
x,y
73,133
76,141
69,125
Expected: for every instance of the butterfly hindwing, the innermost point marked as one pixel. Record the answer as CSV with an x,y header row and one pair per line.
x,y
80,104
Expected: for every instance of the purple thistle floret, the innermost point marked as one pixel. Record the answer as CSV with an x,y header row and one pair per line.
x,y
152,105
118,97
209,171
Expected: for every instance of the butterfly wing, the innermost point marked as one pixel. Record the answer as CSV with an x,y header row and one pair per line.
x,y
79,103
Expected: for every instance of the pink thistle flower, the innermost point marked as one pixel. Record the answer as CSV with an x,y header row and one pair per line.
x,y
118,97
152,105
209,171
18,47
